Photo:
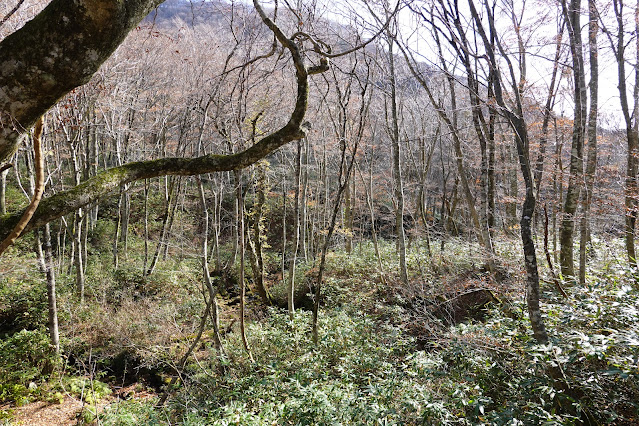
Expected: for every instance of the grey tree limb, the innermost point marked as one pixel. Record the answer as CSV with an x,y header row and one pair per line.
x,y
57,51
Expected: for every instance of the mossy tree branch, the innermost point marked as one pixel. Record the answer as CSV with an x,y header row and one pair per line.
x,y
109,180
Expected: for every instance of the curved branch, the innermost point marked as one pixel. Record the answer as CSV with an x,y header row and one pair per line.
x,y
109,180
11,12
26,216
57,51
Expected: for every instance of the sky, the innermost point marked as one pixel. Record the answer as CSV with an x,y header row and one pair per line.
x,y
539,23
540,17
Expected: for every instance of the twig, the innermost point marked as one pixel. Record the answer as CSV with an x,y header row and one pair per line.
x,y
11,12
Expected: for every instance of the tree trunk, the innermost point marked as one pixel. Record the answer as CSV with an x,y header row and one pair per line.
x,y
240,238
78,222
396,167
490,190
169,211
591,162
78,255
47,262
426,157
631,193
558,185
3,191
254,234
303,245
146,227
125,215
345,172
259,238
518,124
217,208
284,221
566,240
296,233
214,312
512,190
368,192
348,220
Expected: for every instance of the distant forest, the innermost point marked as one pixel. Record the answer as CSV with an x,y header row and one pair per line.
x,y
229,165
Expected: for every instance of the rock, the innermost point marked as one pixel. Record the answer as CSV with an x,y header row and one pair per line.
x,y
468,305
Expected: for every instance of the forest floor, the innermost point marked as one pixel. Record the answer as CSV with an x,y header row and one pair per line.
x,y
41,413
69,411
442,351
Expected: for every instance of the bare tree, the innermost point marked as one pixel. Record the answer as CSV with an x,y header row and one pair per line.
x,y
591,162
515,115
572,14
630,112
450,116
86,47
398,184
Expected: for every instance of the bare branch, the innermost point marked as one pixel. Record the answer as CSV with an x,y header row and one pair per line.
x,y
11,12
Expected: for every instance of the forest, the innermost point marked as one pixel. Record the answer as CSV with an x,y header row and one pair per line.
x,y
299,212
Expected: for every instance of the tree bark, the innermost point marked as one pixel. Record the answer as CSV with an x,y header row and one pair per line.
x,y
45,260
78,255
572,16
258,234
591,162
37,189
3,191
303,244
241,279
296,233
57,51
397,170
214,309
512,188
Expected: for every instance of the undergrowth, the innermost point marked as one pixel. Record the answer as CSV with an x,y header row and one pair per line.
x,y
368,366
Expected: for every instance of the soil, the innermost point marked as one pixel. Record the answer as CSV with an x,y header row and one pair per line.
x,y
68,413
42,413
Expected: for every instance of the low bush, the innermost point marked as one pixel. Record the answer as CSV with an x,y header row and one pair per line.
x,y
23,305
26,358
367,370
132,413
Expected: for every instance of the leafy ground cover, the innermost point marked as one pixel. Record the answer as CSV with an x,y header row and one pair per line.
x,y
373,364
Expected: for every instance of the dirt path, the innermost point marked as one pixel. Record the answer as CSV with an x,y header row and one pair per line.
x,y
47,414
68,413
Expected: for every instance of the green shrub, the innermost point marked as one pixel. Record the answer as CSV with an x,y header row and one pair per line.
x,y
90,391
279,291
25,357
131,413
100,237
23,305
351,377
